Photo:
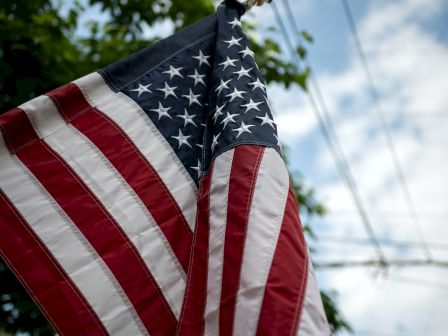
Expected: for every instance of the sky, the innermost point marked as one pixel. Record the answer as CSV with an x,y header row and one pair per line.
x,y
406,47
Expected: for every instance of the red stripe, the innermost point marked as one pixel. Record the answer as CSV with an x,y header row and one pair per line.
x,y
70,101
285,287
245,165
105,235
131,164
44,279
17,130
191,321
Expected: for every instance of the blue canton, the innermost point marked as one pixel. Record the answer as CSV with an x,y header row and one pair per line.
x,y
208,97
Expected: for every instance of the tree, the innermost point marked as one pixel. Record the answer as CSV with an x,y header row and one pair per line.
x,y
41,48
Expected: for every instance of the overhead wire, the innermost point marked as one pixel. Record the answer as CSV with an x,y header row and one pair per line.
x,y
385,126
327,128
373,263
334,239
382,262
417,281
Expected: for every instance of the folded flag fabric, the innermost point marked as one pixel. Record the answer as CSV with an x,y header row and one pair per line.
x,y
151,198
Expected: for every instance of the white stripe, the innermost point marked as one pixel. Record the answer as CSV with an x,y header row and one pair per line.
x,y
68,246
43,116
119,199
313,320
219,192
140,129
263,229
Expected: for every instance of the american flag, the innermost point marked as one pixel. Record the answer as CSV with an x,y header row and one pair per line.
x,y
151,198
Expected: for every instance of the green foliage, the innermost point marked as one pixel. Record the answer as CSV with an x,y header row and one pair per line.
x,y
36,50
334,317
272,66
41,49
18,312
307,36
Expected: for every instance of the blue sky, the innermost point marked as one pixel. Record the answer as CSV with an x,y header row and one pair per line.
x,y
406,43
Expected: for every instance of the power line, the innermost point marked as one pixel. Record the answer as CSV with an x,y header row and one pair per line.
x,y
415,114
377,333
327,128
418,281
392,276
322,237
375,263
385,127
390,214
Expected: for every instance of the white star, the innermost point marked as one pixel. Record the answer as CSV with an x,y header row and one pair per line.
x,y
258,84
188,118
173,72
247,52
243,129
222,86
192,98
198,168
251,105
215,141
218,112
183,139
233,41
197,78
202,58
162,111
235,94
234,23
229,118
267,120
168,90
243,72
228,62
142,88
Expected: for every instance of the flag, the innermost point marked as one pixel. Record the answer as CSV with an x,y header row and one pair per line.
x,y
151,198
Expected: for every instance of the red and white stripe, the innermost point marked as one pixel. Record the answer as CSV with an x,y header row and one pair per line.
x,y
250,272
109,219
103,229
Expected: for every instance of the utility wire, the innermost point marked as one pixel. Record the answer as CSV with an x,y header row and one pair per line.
x,y
391,262
325,238
377,333
389,212
418,281
392,276
327,128
386,128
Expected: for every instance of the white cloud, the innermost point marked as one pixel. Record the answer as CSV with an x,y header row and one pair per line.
x,y
409,67
292,123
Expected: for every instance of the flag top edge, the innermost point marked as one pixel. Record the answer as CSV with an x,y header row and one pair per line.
x,y
119,74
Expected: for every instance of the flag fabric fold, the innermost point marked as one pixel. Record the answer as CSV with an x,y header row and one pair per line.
x,y
151,198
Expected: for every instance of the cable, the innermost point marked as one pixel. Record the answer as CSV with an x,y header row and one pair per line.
x,y
325,238
384,241
386,128
327,128
418,281
442,215
391,263
377,333
391,276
